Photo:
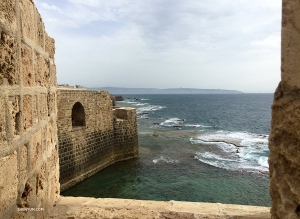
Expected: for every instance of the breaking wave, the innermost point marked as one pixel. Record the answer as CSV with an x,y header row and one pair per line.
x,y
163,159
181,123
238,151
233,150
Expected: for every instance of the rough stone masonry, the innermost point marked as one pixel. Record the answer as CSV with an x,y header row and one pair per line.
x,y
92,134
284,140
28,132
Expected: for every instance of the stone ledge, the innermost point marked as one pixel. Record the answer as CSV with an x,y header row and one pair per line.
x,y
83,207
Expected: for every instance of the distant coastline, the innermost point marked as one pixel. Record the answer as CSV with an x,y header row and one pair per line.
x,y
122,90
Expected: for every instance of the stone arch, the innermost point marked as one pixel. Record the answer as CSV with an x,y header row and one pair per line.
x,y
78,115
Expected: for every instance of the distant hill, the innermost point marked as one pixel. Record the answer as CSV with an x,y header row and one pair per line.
x,y
121,90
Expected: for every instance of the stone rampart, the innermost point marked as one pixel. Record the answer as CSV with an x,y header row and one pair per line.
x,y
28,132
91,134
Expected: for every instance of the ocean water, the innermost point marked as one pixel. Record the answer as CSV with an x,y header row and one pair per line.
x,y
202,148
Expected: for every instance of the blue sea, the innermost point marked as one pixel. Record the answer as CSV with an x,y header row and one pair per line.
x,y
200,148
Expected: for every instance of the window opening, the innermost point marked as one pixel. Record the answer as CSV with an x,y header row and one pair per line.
x,y
78,115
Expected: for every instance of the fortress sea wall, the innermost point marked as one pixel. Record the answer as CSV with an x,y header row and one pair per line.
x,y
28,133
92,134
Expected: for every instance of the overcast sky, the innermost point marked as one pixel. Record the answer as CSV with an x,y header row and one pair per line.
x,y
214,44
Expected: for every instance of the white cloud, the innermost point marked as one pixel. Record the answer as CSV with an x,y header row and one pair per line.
x,y
270,41
51,7
201,44
81,15
91,3
99,3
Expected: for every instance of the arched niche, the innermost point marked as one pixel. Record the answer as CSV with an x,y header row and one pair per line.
x,y
78,115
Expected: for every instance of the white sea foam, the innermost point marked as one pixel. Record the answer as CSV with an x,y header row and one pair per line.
x,y
240,138
263,161
216,160
140,104
173,122
194,125
231,164
144,116
148,108
181,122
130,102
250,155
212,156
163,159
142,108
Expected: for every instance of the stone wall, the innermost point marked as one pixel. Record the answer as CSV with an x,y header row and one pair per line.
x,y
125,133
92,138
28,132
284,140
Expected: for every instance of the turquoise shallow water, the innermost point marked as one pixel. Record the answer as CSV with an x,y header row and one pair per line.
x,y
178,165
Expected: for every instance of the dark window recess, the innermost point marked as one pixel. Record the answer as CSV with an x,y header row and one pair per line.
x,y
78,115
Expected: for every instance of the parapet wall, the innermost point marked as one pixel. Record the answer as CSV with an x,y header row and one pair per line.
x,y
284,140
125,133
28,132
92,136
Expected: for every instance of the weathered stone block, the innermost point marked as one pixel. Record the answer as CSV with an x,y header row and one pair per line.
x,y
43,107
8,181
19,215
53,78
40,181
49,45
52,163
40,32
46,205
46,72
49,141
3,137
27,66
36,149
38,68
35,115
44,139
54,133
42,70
28,194
7,12
27,19
15,114
27,112
53,190
51,97
23,162
9,67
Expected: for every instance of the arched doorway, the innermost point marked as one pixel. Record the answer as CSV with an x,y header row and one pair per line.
x,y
78,115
